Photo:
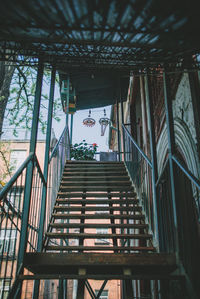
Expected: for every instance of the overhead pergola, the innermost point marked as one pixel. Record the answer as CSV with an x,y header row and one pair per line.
x,y
87,36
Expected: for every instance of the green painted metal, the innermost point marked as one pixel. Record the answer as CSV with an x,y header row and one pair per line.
x,y
118,133
29,173
149,104
7,187
71,128
46,164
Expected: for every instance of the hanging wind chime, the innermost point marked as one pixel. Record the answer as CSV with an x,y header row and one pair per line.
x,y
89,121
104,121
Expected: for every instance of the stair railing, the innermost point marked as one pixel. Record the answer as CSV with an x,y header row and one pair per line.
x,y
12,207
58,157
140,169
11,210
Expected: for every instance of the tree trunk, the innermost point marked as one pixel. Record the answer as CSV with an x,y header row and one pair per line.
x,y
6,73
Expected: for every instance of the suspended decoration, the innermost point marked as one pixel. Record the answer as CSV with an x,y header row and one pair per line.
x,y
89,121
104,121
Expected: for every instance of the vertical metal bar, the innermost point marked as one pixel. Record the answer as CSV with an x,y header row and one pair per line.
x,y
171,149
149,103
67,104
29,172
46,163
122,117
71,128
118,132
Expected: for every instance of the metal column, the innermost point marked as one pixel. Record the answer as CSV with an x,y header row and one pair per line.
x,y
29,172
118,133
46,163
149,103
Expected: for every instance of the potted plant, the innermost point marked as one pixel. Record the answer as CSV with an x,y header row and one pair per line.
x,y
83,151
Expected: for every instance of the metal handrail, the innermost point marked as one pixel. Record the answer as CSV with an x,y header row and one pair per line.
x,y
137,146
57,144
7,187
40,170
187,172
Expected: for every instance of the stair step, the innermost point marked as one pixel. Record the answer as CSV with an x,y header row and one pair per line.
x,y
93,162
97,201
95,188
94,183
94,165
96,178
96,236
97,216
96,208
98,225
97,248
95,173
95,169
142,265
97,195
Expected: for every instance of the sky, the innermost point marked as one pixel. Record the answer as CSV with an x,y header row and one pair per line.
x,y
81,132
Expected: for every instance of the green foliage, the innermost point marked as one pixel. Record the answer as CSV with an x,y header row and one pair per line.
x,y
20,104
6,168
83,151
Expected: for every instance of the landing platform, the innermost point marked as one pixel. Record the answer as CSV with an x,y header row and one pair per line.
x,y
101,265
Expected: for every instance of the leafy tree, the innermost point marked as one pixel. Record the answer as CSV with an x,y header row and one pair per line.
x,y
6,168
17,97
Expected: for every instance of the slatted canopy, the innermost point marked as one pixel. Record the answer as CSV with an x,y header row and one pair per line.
x,y
94,35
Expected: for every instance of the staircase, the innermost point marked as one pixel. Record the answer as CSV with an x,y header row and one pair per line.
x,y
98,229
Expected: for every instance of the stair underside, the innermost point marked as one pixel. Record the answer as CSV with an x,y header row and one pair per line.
x,y
104,265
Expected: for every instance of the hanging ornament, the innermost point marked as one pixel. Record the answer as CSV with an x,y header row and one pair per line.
x,y
89,121
104,121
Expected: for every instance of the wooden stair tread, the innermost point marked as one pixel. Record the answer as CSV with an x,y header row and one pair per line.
x,y
95,188
98,195
96,178
93,183
94,173
97,248
97,236
97,201
97,216
96,208
98,225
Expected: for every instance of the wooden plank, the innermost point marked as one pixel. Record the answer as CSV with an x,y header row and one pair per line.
x,y
98,225
99,259
93,162
97,201
94,183
97,209
102,248
96,236
94,173
97,194
97,216
95,188
96,178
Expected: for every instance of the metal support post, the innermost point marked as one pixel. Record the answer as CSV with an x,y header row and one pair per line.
x,y
118,133
46,163
29,172
71,128
122,117
149,103
67,104
171,150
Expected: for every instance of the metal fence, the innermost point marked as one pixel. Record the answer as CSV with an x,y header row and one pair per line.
x,y
12,209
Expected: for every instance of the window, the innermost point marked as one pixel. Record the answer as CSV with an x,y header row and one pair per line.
x,y
17,157
102,241
4,288
8,239
15,198
104,294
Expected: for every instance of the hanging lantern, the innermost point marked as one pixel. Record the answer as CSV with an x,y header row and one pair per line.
x,y
104,121
89,121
